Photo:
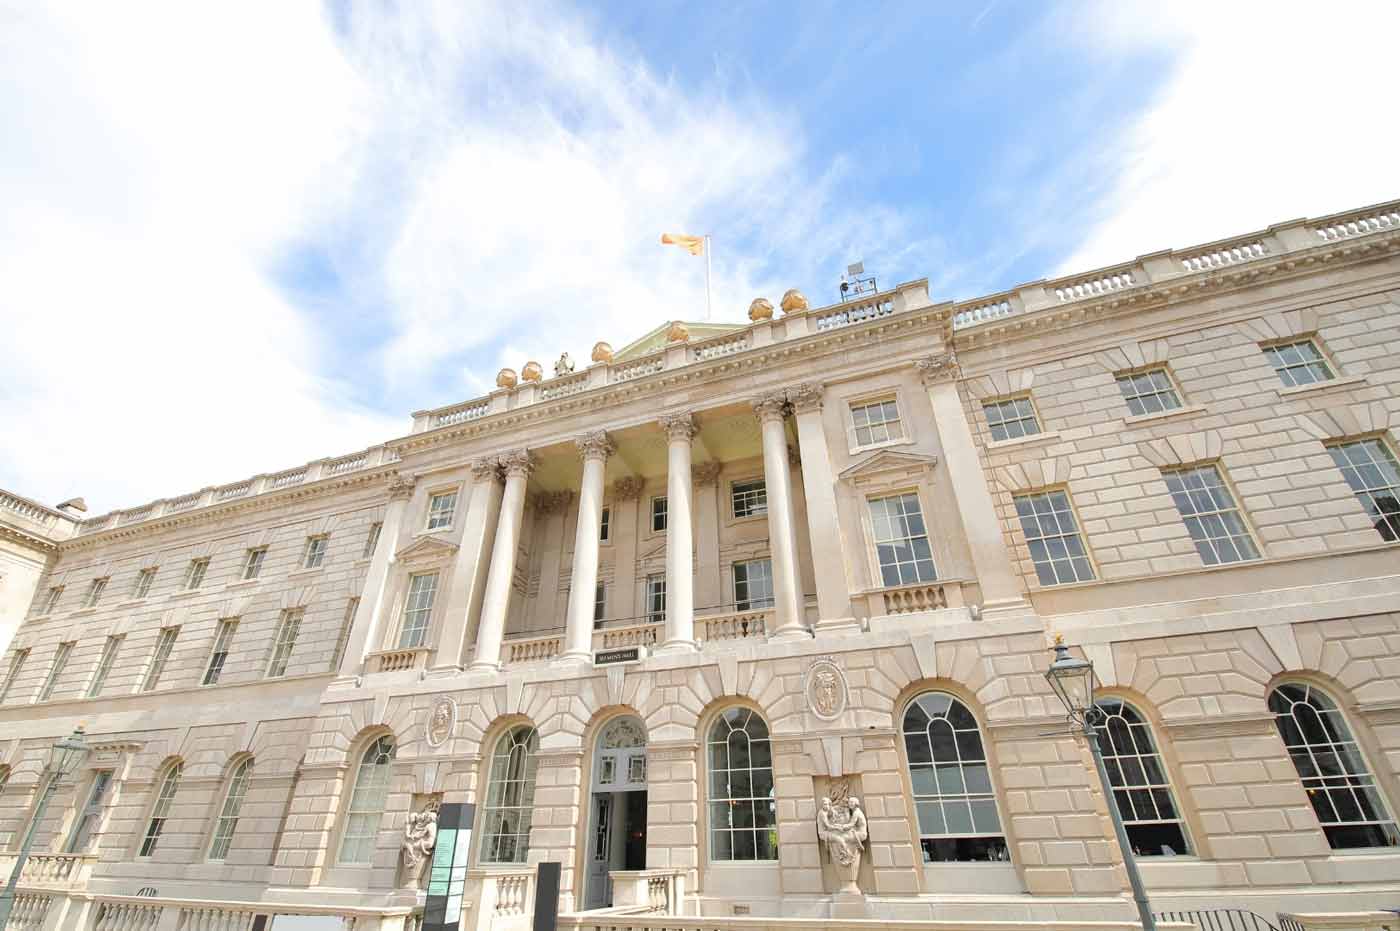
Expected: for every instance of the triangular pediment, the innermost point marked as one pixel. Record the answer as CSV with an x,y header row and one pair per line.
x,y
425,549
886,462
656,339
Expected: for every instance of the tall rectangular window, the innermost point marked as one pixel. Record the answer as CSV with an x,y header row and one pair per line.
x,y
91,813
343,638
748,499
223,641
194,575
1211,516
1052,534
144,578
1149,392
605,525
285,641
658,514
440,510
372,541
95,592
876,422
104,666
600,603
656,598
315,552
1298,363
12,676
60,659
253,562
1012,418
1370,469
418,610
901,540
51,604
753,584
165,642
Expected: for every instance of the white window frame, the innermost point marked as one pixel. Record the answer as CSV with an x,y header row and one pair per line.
x,y
253,562
60,662
195,573
376,530
94,592
719,745
653,585
1019,419
412,634
1285,370
1130,763
105,662
750,603
444,517
510,792
218,655
1050,527
145,578
284,642
226,824
55,593
1386,523
80,835
17,659
1236,507
1128,375
600,603
160,656
877,567
317,546
160,810
864,402
605,524
756,499
342,639
665,514
364,807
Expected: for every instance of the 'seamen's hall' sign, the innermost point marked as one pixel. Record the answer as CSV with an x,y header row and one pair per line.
x,y
620,655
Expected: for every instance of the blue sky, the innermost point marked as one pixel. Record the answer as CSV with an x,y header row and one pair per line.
x,y
236,239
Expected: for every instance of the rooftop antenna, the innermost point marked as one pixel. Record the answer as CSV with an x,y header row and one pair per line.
x,y
853,285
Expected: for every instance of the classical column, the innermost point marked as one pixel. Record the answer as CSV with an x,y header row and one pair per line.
x,y
823,522
680,600
594,448
369,616
708,584
517,465
1001,589
782,537
472,561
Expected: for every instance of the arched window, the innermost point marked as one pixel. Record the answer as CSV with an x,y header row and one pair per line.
x,y
953,798
228,815
367,802
510,797
743,820
161,810
4,777
1332,768
1139,778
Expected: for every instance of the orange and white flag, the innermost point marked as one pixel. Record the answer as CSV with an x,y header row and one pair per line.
x,y
695,245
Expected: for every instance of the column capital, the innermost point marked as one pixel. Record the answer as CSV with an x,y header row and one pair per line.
x,y
401,487
628,488
595,445
517,462
770,405
706,473
485,469
935,369
806,396
679,426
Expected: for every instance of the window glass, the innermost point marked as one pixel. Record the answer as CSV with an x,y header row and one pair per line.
x,y
1011,419
510,798
1210,514
284,643
743,817
658,514
161,810
165,642
1057,549
876,422
367,802
91,814
901,540
753,584
60,660
343,638
605,525
418,610
1371,471
441,507
1149,392
55,593
1139,779
104,666
749,499
223,639
144,578
656,598
1333,770
1298,363
372,541
233,806
194,575
95,592
315,552
953,797
12,676
600,603
252,565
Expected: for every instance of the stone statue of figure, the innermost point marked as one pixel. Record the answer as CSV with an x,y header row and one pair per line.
x,y
844,833
564,366
419,839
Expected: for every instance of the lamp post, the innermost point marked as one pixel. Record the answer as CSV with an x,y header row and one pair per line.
x,y
1073,681
63,757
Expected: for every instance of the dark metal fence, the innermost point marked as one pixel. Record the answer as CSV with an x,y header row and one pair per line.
x,y
1227,919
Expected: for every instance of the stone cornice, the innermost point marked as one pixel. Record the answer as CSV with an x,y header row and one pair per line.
x,y
27,539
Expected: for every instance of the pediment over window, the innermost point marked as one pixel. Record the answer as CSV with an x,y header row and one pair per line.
x,y
426,550
887,464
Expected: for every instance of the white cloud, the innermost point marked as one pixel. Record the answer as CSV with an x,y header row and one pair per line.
x,y
1273,111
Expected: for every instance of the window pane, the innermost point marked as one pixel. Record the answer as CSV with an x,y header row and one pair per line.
x,y
1137,774
367,802
1052,536
954,801
742,816
902,544
1210,515
510,797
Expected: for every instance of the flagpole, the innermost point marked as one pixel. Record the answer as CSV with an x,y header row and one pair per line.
x,y
708,309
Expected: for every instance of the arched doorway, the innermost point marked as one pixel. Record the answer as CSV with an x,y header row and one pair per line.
x,y
617,824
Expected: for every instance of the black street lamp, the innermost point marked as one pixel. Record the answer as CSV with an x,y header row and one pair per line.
x,y
63,757
1073,681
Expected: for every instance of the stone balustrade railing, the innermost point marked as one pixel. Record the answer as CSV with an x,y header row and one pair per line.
x,y
737,625
910,599
27,509
57,870
532,649
257,485
505,894
134,913
626,920
649,892
397,660
633,635
29,911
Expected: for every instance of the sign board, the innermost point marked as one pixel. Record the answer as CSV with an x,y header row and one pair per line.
x,y
620,655
447,876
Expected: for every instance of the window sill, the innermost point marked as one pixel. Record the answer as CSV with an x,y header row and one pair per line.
x,y
1133,420
1032,440
243,583
82,612
432,531
298,573
1323,387
185,593
861,450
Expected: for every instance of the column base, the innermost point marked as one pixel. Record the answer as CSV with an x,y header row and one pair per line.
x,y
1008,610
442,672
792,632
573,658
677,646
838,625
486,666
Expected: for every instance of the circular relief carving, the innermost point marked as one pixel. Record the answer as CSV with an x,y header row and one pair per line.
x,y
826,689
442,721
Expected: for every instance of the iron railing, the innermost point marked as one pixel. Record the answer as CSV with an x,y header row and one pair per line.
x,y
1227,919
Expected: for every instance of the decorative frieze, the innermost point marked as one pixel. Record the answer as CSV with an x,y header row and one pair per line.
x,y
936,369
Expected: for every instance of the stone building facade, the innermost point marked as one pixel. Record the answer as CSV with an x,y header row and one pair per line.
x,y
840,542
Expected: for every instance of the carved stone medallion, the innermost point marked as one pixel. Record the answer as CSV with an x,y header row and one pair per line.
x,y
442,721
826,689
